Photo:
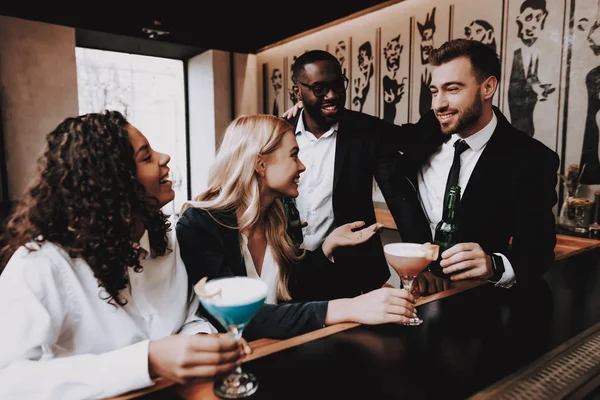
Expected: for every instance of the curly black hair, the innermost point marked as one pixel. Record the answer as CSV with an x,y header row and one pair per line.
x,y
85,198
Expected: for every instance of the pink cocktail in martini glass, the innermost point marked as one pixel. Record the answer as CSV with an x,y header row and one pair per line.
x,y
408,260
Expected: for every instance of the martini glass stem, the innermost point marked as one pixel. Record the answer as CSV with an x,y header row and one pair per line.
x,y
235,332
238,384
407,283
237,372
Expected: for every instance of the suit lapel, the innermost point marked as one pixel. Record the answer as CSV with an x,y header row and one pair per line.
x,y
414,200
231,240
342,146
430,142
490,160
412,187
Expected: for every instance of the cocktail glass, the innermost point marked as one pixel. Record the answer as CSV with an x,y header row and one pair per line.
x,y
408,260
233,301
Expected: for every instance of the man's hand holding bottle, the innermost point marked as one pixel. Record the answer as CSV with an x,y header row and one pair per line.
x,y
466,261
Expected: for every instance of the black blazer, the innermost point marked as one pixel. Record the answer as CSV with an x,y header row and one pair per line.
x,y
366,148
210,249
510,194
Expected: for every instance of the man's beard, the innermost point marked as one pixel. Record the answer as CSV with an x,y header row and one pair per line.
x,y
314,110
469,118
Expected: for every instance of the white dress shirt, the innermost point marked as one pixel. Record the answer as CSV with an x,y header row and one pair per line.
x,y
433,176
60,339
269,272
316,184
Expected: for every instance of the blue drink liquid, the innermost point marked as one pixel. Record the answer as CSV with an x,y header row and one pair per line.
x,y
234,301
240,299
234,315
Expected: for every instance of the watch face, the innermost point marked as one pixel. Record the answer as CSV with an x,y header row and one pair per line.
x,y
498,263
497,267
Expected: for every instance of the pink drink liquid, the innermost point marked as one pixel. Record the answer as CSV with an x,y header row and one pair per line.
x,y
407,259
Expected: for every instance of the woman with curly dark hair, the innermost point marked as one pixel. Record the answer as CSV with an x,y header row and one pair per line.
x,y
95,292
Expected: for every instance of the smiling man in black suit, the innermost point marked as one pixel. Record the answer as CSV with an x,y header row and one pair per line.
x,y
508,179
343,152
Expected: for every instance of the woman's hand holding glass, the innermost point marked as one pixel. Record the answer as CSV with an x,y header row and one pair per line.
x,y
185,358
380,306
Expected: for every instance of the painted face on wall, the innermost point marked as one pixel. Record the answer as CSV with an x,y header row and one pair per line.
x,y
530,23
340,52
391,52
477,32
427,30
277,80
594,38
426,45
364,61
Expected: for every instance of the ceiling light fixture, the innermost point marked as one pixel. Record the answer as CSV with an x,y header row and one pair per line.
x,y
155,31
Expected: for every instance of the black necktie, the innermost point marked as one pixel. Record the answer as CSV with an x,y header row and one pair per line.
x,y
459,146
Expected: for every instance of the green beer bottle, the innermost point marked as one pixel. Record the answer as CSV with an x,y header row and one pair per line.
x,y
294,225
447,232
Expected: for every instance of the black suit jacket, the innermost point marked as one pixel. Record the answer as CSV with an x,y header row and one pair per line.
x,y
510,194
366,148
209,248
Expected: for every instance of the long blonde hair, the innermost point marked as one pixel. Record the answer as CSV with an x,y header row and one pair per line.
x,y
233,185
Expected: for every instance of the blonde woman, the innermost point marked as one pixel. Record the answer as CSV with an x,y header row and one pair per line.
x,y
237,227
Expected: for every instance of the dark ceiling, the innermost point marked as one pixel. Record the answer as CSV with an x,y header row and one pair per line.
x,y
244,26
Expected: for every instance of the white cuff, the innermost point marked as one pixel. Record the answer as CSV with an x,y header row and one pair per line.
x,y
77,377
508,277
197,325
129,368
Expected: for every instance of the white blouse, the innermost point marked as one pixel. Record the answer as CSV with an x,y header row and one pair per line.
x,y
61,340
269,273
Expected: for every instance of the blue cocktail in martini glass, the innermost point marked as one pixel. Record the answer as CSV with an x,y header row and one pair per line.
x,y
233,302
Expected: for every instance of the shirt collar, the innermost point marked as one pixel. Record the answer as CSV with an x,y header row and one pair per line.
x,y
479,139
300,129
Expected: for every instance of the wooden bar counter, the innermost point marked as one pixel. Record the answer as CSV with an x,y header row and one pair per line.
x,y
473,336
566,246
